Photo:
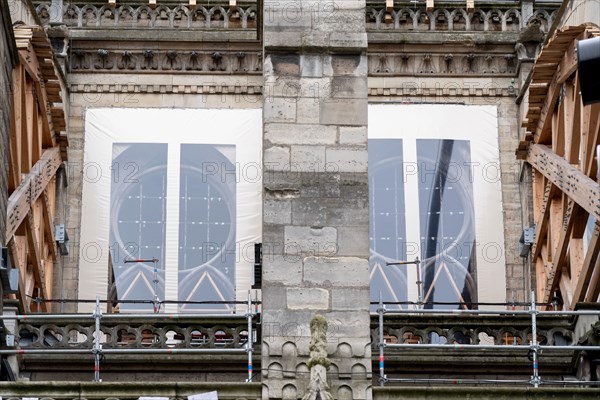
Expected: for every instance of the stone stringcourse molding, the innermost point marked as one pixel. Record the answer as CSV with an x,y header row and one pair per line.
x,y
455,19
204,89
447,91
406,89
90,16
213,62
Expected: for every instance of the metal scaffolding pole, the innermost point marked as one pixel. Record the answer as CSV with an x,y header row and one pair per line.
x,y
535,379
381,310
495,312
97,349
122,316
249,315
458,346
419,282
155,300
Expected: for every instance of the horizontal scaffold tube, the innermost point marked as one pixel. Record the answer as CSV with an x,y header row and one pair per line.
x,y
486,347
119,316
122,351
492,312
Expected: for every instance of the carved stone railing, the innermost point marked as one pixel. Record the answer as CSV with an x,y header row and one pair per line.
x,y
424,345
166,15
161,332
468,329
456,19
169,14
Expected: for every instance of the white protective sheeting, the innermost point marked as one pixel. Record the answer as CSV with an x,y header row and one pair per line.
x,y
105,127
479,126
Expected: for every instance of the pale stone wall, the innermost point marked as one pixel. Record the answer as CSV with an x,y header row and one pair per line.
x,y
315,227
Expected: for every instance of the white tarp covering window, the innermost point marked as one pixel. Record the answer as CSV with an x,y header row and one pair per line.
x,y
181,186
435,193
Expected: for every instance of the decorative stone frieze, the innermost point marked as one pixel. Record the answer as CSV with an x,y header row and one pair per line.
x,y
174,61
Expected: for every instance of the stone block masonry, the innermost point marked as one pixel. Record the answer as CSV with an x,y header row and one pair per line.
x,y
315,215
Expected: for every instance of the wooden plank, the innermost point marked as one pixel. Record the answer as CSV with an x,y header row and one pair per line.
x,y
588,266
559,254
36,260
579,187
27,129
591,117
31,188
15,134
594,287
565,289
558,129
30,62
573,137
48,225
576,257
48,133
593,142
36,144
543,218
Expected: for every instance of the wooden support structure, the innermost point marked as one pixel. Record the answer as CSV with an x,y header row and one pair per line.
x,y
559,145
37,150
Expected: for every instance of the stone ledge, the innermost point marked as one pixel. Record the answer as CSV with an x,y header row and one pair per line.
x,y
127,390
483,393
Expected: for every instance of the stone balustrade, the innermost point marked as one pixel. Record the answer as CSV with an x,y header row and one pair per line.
x,y
161,332
488,17
166,331
479,329
449,16
166,15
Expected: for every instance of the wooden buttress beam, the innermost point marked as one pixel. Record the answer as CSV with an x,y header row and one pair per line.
x,y
19,202
574,183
